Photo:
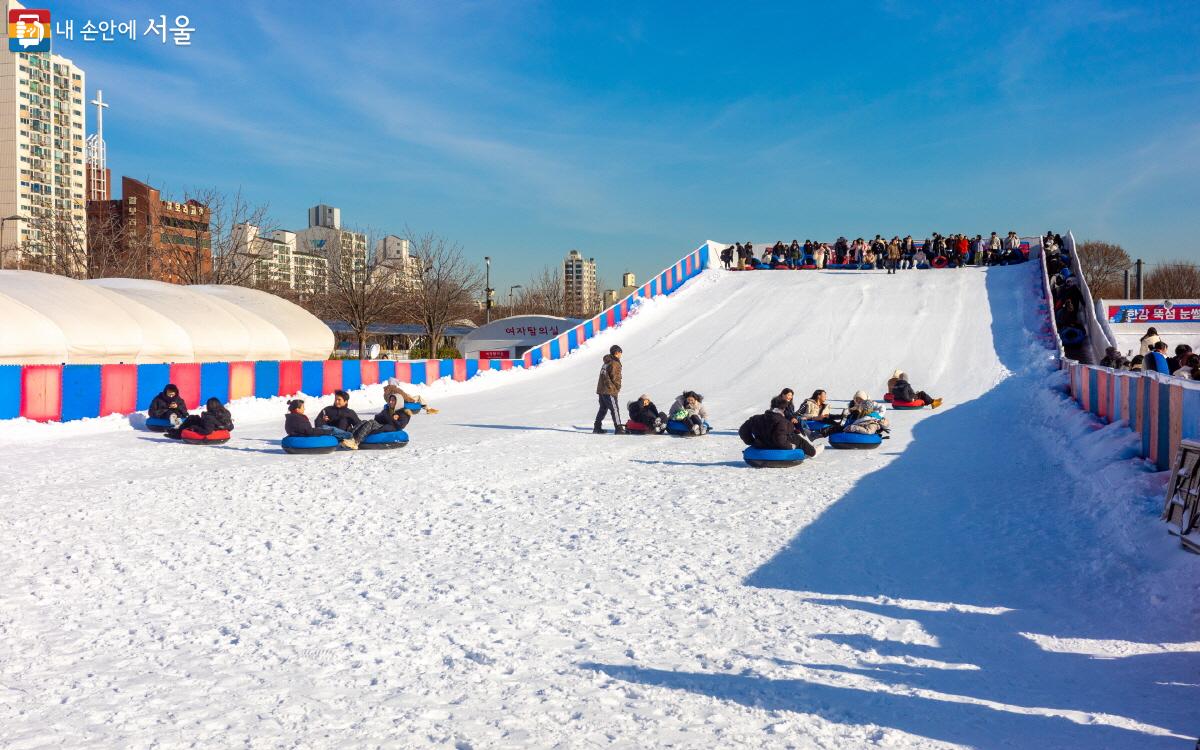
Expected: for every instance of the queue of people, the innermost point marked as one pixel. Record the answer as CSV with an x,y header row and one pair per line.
x,y
953,251
1154,355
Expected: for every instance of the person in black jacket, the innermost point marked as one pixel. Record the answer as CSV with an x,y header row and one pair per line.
x,y
392,418
903,391
340,420
644,411
295,424
771,430
168,405
214,417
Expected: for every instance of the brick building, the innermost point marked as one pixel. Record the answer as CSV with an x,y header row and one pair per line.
x,y
142,235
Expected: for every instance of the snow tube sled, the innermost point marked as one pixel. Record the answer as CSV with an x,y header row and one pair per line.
x,y
851,440
301,446
780,267
413,406
384,440
918,404
813,425
888,397
636,428
809,267
216,437
768,458
679,428
154,424
1072,336
939,262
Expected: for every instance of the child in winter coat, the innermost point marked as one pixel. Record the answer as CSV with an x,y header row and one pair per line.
x,y
861,417
340,420
214,417
295,424
688,408
645,412
392,418
393,389
168,405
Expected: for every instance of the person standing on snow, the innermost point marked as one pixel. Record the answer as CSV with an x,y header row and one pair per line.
x,y
608,387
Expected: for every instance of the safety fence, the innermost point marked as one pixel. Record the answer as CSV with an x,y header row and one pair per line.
x,y
1162,409
66,392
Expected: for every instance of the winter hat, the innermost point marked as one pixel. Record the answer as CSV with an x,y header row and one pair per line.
x,y
897,374
903,376
614,349
645,397
860,395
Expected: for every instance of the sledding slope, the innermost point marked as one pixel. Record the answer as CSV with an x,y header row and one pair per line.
x,y
512,580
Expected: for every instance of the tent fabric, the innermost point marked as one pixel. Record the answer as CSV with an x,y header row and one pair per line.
x,y
93,329
308,337
58,320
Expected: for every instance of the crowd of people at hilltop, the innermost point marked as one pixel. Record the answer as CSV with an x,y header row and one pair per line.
x,y
1153,356
937,250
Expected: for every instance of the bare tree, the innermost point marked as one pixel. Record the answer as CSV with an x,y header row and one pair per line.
x,y
117,248
544,294
1178,279
219,256
1103,265
364,286
445,286
56,242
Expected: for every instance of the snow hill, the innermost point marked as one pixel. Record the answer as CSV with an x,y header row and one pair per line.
x,y
992,576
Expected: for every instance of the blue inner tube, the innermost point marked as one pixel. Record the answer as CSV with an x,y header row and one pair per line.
x,y
309,445
675,427
850,440
155,424
765,458
384,440
813,425
413,406
1072,336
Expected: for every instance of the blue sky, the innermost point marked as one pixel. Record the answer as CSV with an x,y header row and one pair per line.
x,y
636,131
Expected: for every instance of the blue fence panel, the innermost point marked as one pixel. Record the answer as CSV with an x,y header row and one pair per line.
x,y
1164,427
535,357
418,372
351,374
80,392
150,381
555,352
589,330
214,381
572,340
266,379
472,368
10,391
387,369
312,378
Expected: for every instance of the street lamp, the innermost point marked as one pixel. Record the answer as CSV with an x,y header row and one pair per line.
x,y
4,220
487,288
510,297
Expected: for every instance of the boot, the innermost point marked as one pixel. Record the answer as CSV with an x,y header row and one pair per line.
x,y
620,429
597,429
806,445
350,443
936,403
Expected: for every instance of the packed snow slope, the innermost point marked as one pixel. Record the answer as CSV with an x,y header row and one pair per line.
x,y
993,576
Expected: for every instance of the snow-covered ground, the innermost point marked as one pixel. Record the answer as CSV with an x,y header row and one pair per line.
x,y
994,576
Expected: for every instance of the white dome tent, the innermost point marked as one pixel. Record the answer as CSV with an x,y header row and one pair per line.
x,y
54,319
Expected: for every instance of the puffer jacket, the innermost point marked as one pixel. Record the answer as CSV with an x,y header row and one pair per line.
x,y
678,405
810,409
770,430
609,383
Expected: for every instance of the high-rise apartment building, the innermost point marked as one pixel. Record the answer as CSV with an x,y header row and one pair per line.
x,y
41,160
346,250
279,263
581,296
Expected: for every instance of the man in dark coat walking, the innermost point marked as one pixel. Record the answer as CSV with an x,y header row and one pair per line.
x,y
607,389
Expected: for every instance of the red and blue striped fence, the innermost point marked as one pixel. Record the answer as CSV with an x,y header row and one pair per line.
x,y
52,393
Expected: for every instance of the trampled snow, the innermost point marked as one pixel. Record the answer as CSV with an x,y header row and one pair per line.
x,y
994,575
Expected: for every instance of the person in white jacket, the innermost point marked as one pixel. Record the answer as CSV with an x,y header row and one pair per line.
x,y
688,408
1148,341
